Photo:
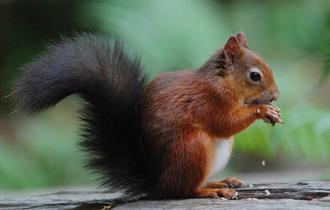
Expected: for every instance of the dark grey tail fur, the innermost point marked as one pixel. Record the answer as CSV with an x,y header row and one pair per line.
x,y
112,84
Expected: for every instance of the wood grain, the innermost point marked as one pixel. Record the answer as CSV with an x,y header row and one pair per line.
x,y
302,195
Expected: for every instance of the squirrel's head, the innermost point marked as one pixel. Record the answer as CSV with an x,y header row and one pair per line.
x,y
244,71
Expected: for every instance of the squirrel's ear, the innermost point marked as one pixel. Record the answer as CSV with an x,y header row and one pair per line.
x,y
232,49
242,39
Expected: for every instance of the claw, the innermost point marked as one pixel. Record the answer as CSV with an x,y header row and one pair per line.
x,y
280,121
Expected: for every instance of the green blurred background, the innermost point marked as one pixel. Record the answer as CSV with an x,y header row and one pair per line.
x,y
293,36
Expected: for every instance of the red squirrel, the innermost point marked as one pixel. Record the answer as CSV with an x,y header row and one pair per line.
x,y
165,138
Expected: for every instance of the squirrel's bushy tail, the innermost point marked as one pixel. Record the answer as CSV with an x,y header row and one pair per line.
x,y
111,83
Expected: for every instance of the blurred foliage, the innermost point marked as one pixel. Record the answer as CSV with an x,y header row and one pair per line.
x,y
187,32
293,36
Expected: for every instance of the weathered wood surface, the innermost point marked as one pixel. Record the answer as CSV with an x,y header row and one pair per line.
x,y
303,195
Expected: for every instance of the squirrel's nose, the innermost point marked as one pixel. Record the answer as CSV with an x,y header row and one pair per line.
x,y
275,96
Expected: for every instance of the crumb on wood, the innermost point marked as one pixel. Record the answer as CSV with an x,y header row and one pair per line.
x,y
252,199
107,207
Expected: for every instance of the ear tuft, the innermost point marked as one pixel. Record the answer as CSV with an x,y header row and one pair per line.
x,y
242,39
232,46
232,50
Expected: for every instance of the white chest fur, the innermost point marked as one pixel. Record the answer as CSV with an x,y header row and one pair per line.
x,y
222,154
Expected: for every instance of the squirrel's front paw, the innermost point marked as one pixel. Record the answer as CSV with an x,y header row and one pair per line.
x,y
269,113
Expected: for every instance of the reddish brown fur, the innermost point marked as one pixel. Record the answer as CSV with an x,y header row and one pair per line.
x,y
185,111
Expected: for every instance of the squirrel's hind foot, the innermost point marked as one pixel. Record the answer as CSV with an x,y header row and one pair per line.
x,y
231,182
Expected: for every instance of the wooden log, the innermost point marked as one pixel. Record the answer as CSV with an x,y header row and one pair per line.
x,y
303,195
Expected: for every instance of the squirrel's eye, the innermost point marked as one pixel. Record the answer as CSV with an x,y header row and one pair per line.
x,y
255,76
